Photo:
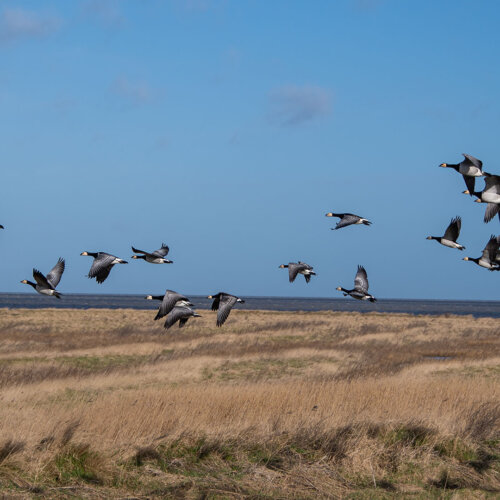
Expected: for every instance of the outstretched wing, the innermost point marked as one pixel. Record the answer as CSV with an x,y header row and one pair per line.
x,y
226,304
470,182
41,279
215,303
453,230
168,303
176,314
473,161
491,210
101,266
490,250
135,250
361,280
293,270
54,275
347,220
161,252
492,183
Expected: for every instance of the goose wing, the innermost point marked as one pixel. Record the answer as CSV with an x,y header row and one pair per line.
x,y
161,252
361,280
215,303
226,304
490,250
347,220
41,279
470,182
168,303
293,270
470,160
177,313
491,210
101,266
453,230
492,183
54,275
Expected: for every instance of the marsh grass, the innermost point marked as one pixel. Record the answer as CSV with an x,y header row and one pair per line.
x,y
106,404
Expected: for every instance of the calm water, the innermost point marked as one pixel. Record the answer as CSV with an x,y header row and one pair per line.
x,y
78,301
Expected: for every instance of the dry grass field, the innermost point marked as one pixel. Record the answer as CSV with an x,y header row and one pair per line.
x,y
106,404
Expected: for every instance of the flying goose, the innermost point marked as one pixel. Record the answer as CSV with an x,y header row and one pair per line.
x,y
46,285
168,302
490,195
102,265
156,257
299,267
470,168
347,220
488,257
360,290
180,314
449,239
223,303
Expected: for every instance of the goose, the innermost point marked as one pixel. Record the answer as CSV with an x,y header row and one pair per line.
x,y
488,257
180,314
490,195
46,285
168,302
470,168
102,265
1,227
360,290
223,303
449,239
347,220
156,257
299,267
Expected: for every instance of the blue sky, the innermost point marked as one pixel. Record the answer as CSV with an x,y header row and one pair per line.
x,y
227,129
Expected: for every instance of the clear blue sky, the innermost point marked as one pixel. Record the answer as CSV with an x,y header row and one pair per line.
x,y
227,129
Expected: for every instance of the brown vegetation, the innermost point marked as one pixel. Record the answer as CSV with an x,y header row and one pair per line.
x,y
105,404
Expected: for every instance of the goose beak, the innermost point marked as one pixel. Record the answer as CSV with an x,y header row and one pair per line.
x,y
24,281
84,253
443,165
149,297
465,258
210,297
477,201
466,192
429,238
329,214
338,288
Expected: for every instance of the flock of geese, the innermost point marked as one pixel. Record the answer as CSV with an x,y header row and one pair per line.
x,y
176,307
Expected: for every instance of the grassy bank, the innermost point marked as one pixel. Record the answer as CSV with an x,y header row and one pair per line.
x,y
105,403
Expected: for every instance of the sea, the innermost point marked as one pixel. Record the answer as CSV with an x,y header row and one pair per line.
x,y
86,301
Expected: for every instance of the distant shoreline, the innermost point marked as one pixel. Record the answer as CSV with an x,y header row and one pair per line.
x,y
137,302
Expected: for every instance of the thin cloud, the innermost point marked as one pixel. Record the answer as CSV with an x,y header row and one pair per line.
x,y
104,11
293,105
17,24
137,92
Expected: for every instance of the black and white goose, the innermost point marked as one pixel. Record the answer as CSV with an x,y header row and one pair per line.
x,y
170,300
102,265
299,267
360,290
223,303
469,167
490,195
347,220
449,239
156,257
46,285
180,314
489,255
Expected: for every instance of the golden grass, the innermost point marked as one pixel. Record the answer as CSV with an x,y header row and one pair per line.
x,y
105,404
